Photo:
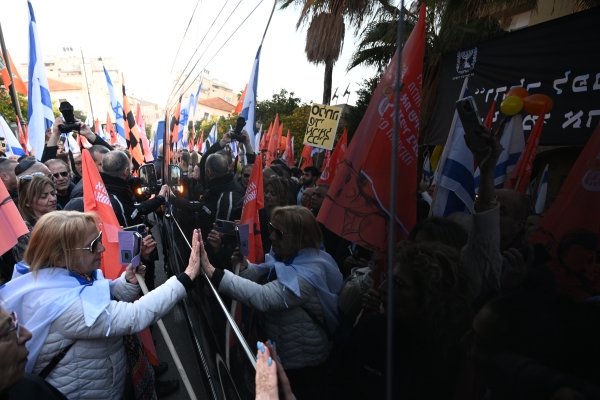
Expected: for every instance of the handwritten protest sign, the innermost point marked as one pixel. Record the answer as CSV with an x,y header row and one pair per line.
x,y
322,125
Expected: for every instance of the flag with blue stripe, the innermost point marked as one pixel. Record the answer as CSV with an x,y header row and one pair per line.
x,y
249,107
212,136
40,116
194,103
456,185
540,200
183,121
116,103
257,139
427,170
159,133
13,147
513,142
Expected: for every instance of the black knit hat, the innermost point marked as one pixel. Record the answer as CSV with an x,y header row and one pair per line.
x,y
23,166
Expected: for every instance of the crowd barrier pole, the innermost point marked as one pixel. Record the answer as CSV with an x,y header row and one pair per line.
x,y
163,330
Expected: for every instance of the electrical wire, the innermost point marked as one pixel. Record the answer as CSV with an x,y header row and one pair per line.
x,y
223,45
182,39
207,47
195,51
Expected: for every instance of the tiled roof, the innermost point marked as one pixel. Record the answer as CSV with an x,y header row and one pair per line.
x,y
59,86
218,103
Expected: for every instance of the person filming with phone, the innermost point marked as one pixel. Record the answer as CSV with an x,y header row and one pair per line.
x,y
83,325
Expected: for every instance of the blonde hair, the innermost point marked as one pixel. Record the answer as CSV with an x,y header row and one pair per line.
x,y
55,236
300,223
30,192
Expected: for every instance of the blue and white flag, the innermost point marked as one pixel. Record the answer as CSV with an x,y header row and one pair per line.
x,y
456,185
540,200
257,140
212,136
249,107
159,133
39,115
194,101
513,142
183,122
427,170
116,103
13,147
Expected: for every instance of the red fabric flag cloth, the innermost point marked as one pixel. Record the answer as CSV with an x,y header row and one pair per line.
x,y
240,103
11,223
23,137
357,207
264,141
489,119
175,122
97,127
254,201
191,141
289,151
139,121
95,198
570,229
521,175
111,130
306,156
273,148
334,161
201,143
20,86
326,165
132,134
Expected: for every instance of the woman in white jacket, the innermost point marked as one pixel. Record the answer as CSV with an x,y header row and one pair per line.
x,y
61,295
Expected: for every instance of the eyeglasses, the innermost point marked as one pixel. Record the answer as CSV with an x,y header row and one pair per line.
x,y
246,175
33,174
278,232
92,247
64,174
15,326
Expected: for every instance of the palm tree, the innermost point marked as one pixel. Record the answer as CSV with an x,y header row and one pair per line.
x,y
326,30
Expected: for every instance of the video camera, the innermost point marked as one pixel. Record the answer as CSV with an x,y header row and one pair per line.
x,y
237,132
70,124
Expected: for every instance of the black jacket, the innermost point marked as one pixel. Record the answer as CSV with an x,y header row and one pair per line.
x,y
218,203
128,213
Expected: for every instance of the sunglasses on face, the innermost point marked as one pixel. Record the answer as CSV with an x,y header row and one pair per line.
x,y
64,174
278,232
33,174
92,247
15,326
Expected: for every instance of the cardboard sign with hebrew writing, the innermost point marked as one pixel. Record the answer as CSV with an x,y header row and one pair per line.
x,y
322,125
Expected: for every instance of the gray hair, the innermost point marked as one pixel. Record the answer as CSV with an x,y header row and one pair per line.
x,y
218,165
115,163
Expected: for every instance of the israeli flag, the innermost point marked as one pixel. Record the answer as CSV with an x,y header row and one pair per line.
x,y
116,103
194,103
183,121
13,147
159,132
540,200
513,142
456,185
40,115
212,136
249,107
257,140
427,170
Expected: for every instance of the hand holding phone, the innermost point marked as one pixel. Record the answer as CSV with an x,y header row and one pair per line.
x,y
471,122
130,245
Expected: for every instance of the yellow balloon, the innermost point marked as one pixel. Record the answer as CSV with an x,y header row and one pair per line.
x,y
511,105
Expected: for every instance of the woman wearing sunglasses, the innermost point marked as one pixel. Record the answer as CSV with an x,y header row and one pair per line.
x,y
37,196
298,300
83,325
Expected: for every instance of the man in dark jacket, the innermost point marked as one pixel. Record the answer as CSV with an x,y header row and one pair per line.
x,y
115,173
97,152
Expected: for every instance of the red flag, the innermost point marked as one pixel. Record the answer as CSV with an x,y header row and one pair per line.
x,y
11,224
334,161
191,141
306,156
254,201
175,122
97,127
519,179
264,141
20,86
571,227
201,143
95,198
139,121
359,200
111,130
132,133
240,103
289,151
490,117
273,148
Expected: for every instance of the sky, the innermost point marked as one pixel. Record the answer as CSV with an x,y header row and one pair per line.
x,y
144,37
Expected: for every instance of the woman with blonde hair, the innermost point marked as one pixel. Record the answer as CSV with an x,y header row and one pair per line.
x,y
84,325
37,196
276,192
298,300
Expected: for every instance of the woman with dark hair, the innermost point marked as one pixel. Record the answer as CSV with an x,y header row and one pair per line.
x,y
276,193
431,313
439,230
299,300
37,196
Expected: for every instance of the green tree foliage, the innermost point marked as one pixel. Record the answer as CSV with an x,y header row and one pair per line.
x,y
6,106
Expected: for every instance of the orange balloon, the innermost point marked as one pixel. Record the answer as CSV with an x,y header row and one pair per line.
x,y
282,144
518,91
533,104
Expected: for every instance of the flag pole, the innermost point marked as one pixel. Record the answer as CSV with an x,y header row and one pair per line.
x,y
392,210
87,84
13,90
268,22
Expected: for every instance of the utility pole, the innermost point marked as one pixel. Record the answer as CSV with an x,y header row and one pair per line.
x,y
88,88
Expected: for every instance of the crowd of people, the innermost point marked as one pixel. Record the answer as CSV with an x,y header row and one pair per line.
x,y
474,307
